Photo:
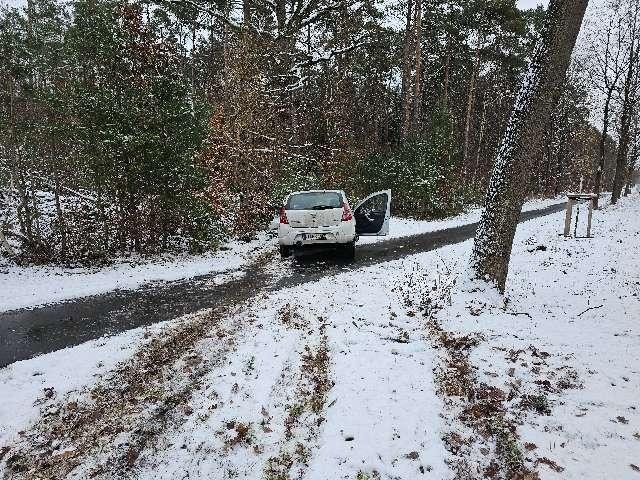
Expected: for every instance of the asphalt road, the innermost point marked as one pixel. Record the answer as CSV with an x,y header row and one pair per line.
x,y
29,332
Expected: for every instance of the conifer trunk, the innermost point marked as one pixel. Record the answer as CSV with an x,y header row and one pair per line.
x,y
471,98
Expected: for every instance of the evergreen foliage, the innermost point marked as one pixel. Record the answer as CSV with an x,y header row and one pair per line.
x,y
130,126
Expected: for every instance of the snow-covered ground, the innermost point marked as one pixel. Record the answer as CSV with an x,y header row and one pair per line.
x,y
28,388
335,378
569,336
24,287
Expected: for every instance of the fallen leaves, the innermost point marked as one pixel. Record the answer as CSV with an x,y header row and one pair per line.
x,y
412,455
550,463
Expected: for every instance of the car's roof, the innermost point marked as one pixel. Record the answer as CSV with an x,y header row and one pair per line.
x,y
317,191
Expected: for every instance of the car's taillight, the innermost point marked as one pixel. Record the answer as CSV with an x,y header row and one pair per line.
x,y
346,213
283,216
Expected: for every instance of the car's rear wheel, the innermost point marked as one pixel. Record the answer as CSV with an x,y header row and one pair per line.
x,y
285,251
349,250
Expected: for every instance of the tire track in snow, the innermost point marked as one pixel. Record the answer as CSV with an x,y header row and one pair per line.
x,y
258,412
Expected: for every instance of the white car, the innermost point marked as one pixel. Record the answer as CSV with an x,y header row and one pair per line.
x,y
318,217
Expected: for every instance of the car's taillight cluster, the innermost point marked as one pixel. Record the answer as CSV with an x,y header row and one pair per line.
x,y
283,216
346,213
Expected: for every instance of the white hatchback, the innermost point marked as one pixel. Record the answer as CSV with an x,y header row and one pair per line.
x,y
317,217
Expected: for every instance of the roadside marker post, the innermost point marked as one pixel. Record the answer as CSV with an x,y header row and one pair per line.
x,y
578,198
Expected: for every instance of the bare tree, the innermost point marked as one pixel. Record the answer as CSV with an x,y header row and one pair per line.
x,y
608,71
538,95
471,98
634,152
628,102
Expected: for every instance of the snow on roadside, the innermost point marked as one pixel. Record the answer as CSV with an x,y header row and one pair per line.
x,y
25,287
29,388
257,411
562,356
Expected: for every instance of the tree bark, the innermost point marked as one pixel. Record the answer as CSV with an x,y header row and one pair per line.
x,y
621,155
625,120
417,81
538,96
610,85
411,68
483,122
61,222
471,98
633,157
603,141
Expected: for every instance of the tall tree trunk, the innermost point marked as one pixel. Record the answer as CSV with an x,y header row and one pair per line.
x,y
483,123
471,98
633,157
538,96
447,73
621,155
603,143
61,223
417,80
5,223
246,12
412,70
625,120
630,175
281,15
24,209
406,71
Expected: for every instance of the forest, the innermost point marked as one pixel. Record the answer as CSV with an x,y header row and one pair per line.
x,y
172,125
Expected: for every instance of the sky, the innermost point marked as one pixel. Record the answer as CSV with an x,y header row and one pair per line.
x,y
525,4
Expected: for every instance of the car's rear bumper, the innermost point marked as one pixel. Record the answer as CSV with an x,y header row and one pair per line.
x,y
316,236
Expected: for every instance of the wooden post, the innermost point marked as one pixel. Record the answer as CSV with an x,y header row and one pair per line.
x,y
572,198
567,218
591,206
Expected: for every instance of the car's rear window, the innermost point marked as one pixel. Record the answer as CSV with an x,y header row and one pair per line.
x,y
314,201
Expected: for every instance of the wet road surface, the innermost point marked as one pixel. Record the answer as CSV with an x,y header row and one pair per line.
x,y
29,332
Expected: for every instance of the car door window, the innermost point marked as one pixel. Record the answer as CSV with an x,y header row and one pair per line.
x,y
371,214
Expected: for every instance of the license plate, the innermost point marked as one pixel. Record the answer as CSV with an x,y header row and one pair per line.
x,y
314,236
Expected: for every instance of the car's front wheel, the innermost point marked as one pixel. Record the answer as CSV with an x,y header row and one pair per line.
x,y
285,251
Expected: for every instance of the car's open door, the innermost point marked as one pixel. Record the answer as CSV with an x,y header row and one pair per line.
x,y
372,214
